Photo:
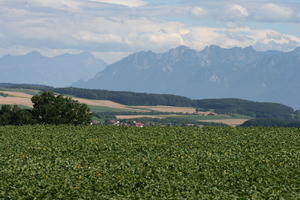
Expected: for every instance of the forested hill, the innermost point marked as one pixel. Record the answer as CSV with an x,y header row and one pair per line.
x,y
244,107
128,98
224,106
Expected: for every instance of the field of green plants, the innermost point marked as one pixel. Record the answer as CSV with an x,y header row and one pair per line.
x,y
68,162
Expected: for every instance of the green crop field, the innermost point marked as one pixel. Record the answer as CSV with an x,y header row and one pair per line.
x,y
67,162
106,109
213,117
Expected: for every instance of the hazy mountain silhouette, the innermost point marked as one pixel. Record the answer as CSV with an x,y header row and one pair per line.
x,y
213,72
58,71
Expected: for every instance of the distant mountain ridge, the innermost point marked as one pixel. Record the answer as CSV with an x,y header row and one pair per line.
x,y
214,72
60,71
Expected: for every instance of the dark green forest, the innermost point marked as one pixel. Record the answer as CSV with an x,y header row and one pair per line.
x,y
271,123
249,108
128,98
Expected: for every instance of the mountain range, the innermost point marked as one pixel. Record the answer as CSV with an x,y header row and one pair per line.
x,y
57,71
214,72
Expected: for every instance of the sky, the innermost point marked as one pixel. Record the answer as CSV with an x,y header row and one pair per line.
x,y
112,29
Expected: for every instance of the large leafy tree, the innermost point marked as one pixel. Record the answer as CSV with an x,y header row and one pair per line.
x,y
13,115
49,108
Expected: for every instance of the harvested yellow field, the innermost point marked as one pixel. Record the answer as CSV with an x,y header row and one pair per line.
x,y
169,109
100,103
229,122
106,103
17,94
206,113
16,101
21,98
144,116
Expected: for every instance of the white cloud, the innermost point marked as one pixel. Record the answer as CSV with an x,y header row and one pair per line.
x,y
129,3
278,11
274,13
198,11
237,11
98,37
109,32
128,35
56,4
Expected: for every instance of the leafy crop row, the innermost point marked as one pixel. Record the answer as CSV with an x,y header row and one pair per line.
x,y
67,162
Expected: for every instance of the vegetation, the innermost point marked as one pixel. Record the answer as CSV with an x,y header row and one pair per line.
x,y
13,115
249,108
51,109
127,98
102,109
208,117
172,121
221,106
25,86
92,162
26,91
3,95
297,114
47,109
272,123
144,113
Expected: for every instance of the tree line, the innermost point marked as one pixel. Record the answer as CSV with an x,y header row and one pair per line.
x,y
271,123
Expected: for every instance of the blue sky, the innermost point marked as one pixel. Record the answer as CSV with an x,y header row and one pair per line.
x,y
112,29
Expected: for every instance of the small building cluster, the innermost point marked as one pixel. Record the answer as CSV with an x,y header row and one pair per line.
x,y
119,123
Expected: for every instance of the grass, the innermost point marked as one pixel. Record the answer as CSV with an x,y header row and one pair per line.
x,y
202,117
67,162
212,117
142,109
106,109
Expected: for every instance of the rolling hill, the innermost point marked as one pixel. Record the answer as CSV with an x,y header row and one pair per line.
x,y
130,103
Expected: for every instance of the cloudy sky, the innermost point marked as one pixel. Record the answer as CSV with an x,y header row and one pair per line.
x,y
112,29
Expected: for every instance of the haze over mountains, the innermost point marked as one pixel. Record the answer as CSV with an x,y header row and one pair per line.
x,y
214,72
59,71
211,73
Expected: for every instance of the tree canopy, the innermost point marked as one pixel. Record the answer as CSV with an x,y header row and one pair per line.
x,y
51,109
48,108
13,115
